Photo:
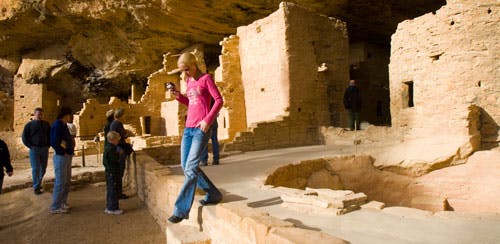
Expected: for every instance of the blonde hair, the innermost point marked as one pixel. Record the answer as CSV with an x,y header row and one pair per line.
x,y
188,59
113,135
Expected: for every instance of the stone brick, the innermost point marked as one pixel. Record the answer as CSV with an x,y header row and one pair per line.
x,y
296,236
183,234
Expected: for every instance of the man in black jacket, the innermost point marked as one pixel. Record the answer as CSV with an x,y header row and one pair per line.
x,y
352,102
36,136
4,162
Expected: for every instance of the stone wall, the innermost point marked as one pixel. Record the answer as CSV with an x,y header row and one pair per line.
x,y
286,97
232,117
265,67
450,60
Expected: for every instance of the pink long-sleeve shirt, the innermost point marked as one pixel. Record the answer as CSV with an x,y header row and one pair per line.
x,y
198,95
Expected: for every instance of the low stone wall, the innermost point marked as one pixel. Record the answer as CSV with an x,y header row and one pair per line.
x,y
460,188
234,222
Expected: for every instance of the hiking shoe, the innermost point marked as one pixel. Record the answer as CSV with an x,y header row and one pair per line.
x,y
203,164
215,162
113,212
205,203
65,206
38,191
123,196
174,219
59,211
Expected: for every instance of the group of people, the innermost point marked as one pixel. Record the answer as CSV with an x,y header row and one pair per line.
x,y
38,135
203,100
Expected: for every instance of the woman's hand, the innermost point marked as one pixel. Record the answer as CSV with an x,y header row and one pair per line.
x,y
174,93
203,126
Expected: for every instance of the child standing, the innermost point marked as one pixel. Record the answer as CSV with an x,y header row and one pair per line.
x,y
111,157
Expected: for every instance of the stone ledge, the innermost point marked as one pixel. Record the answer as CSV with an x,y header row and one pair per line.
x,y
184,234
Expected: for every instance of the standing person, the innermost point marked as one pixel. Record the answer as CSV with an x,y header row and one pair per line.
x,y
352,102
215,144
200,89
36,136
63,144
4,162
111,158
118,127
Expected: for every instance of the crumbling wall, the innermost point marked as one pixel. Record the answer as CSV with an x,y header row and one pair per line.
x,y
449,59
232,117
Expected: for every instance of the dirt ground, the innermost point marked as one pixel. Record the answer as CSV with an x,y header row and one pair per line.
x,y
25,218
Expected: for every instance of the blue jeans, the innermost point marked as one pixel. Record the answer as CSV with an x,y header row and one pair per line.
x,y
194,142
62,181
38,160
112,190
215,144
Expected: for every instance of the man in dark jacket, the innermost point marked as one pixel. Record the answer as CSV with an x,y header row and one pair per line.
x,y
4,162
118,127
36,136
111,161
352,102
63,144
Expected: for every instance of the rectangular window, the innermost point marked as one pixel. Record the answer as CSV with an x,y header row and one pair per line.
x,y
408,96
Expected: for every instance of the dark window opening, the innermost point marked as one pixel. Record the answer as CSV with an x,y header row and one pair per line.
x,y
409,89
489,11
147,124
452,22
225,123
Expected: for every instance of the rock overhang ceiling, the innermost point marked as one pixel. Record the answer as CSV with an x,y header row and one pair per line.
x,y
116,42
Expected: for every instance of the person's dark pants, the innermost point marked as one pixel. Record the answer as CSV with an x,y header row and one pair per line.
x,y
215,145
353,118
38,160
122,160
112,188
1,181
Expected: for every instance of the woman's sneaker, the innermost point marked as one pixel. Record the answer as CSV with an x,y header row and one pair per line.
x,y
113,212
59,211
65,206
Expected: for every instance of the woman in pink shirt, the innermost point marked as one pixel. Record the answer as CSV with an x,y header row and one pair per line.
x,y
200,116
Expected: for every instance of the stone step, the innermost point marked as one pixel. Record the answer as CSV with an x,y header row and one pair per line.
x,y
186,234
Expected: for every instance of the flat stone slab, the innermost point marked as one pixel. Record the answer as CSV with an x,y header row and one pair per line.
x,y
185,234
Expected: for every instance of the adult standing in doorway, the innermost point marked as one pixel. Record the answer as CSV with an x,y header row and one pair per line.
x,y
117,126
352,102
200,89
64,147
36,136
4,162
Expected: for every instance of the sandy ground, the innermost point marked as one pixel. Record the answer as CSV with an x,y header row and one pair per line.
x,y
24,218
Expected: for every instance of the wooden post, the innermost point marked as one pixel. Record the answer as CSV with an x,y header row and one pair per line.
x,y
83,155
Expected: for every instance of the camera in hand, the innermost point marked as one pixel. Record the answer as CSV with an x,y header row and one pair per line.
x,y
170,86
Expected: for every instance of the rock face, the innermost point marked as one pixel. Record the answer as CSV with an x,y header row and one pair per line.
x,y
98,48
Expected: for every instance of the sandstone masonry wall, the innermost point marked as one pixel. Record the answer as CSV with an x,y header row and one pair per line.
x,y
450,60
290,73
265,67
